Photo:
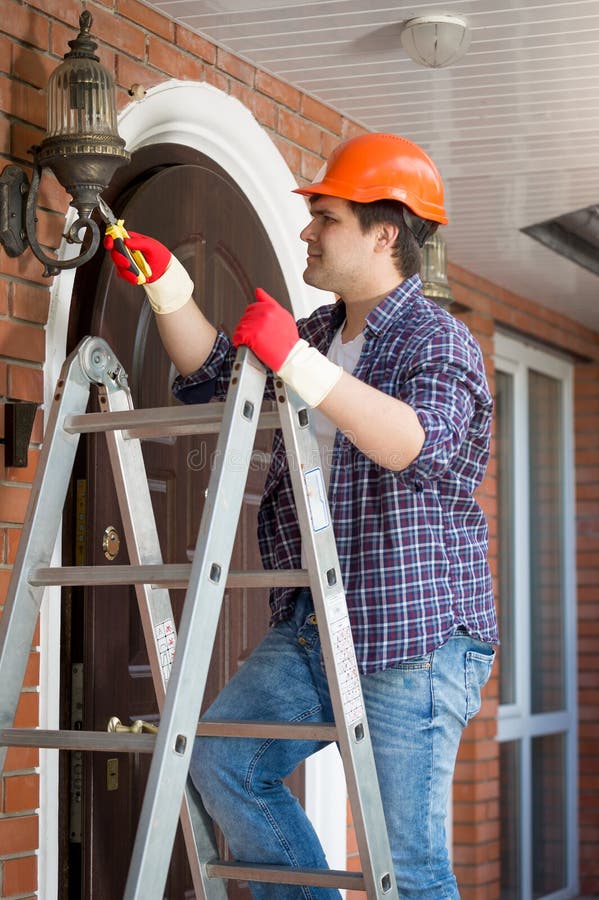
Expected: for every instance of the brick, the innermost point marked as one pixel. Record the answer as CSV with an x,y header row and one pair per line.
x,y
13,503
66,10
32,67
22,139
21,793
25,383
299,131
280,91
19,341
17,835
217,79
234,66
5,54
32,672
19,759
23,101
195,43
170,60
120,33
20,876
310,165
5,291
147,18
24,24
263,109
130,72
27,714
322,114
24,476
12,543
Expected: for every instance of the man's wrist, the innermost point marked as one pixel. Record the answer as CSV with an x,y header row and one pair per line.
x,y
172,290
309,373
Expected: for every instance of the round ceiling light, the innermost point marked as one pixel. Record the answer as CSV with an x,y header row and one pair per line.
x,y
435,40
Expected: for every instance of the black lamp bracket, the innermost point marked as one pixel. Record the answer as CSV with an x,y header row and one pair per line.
x,y
19,416
18,203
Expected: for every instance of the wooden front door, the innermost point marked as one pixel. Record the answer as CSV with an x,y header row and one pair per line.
x,y
199,213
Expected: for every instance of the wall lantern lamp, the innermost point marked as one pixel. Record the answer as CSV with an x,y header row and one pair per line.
x,y
436,40
82,147
435,285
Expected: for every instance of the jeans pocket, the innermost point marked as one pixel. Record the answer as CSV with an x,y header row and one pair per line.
x,y
478,672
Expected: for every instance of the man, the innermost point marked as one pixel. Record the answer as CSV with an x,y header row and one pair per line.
x,y
402,413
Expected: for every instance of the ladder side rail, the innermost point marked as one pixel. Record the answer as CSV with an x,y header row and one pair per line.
x,y
155,609
197,632
40,530
318,542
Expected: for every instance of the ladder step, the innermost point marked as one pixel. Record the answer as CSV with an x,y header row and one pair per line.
x,y
102,741
333,878
175,575
163,421
122,742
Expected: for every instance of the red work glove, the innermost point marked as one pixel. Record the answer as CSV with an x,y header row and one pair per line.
x,y
270,331
156,254
267,329
169,286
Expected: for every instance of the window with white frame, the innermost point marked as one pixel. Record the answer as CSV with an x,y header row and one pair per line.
x,y
536,601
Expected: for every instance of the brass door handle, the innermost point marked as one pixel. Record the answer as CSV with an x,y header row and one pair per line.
x,y
137,727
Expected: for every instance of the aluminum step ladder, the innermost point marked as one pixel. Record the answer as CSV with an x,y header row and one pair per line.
x,y
180,674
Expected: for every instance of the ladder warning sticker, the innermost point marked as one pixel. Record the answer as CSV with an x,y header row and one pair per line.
x,y
317,499
166,640
347,669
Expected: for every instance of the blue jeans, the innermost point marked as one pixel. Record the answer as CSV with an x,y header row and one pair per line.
x,y
416,713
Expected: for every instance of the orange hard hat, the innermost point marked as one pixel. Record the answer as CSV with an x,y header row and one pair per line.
x,y
382,167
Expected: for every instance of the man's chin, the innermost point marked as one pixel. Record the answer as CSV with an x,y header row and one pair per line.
x,y
311,278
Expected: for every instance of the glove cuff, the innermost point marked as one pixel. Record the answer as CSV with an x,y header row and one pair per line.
x,y
309,373
172,290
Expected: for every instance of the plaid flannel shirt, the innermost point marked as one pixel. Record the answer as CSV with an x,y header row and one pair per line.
x,y
412,544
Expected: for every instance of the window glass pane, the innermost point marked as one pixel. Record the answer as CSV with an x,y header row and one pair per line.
x,y
549,814
546,543
509,762
504,448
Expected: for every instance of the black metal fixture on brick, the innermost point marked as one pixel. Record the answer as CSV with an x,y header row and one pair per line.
x,y
18,425
82,147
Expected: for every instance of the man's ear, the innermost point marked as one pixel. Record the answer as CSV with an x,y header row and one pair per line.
x,y
386,235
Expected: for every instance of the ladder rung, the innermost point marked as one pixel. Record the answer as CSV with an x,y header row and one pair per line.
x,y
203,418
122,742
334,878
103,741
175,575
301,731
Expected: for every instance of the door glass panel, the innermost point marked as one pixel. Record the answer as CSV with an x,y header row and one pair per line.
x,y
546,543
509,762
549,814
504,442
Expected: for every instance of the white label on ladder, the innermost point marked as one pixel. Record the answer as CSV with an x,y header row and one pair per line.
x,y
317,499
166,639
347,669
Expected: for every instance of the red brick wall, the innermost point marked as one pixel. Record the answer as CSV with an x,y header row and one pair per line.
x,y
140,46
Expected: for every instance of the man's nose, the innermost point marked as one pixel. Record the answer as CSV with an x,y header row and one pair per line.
x,y
308,233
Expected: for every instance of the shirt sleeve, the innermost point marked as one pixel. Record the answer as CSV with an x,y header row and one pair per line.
x,y
447,387
210,381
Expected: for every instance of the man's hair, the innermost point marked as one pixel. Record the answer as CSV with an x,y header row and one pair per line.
x,y
406,251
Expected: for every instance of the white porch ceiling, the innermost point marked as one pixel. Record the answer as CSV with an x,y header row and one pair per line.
x,y
513,126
